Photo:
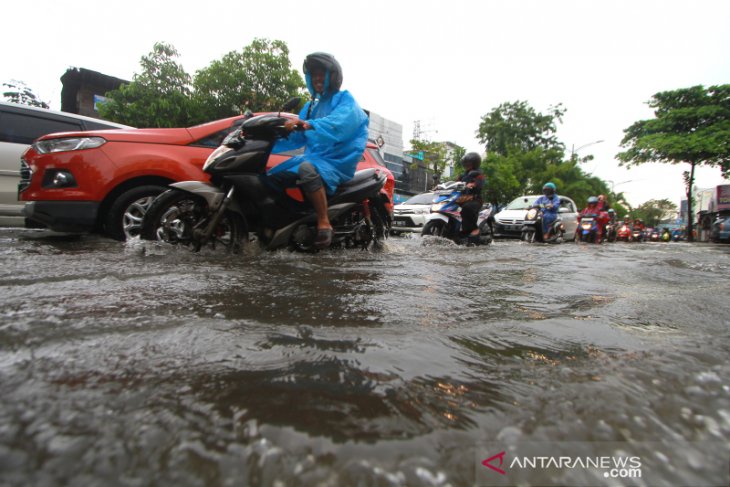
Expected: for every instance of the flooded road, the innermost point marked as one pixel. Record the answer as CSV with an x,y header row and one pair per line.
x,y
128,364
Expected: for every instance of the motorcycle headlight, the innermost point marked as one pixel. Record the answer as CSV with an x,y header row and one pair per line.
x,y
215,155
437,206
67,144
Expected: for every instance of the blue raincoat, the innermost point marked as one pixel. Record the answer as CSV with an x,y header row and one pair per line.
x,y
336,141
549,215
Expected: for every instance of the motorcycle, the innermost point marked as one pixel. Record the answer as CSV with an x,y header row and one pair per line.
x,y
445,218
532,227
624,233
588,229
654,235
637,235
237,207
611,232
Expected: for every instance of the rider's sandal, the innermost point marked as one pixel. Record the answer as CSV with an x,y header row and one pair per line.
x,y
324,238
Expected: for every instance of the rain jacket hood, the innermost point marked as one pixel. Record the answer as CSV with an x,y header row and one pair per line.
x,y
338,137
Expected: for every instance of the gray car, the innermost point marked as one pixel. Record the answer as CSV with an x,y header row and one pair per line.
x,y
508,222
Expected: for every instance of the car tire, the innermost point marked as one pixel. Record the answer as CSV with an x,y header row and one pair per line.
x,y
435,228
124,218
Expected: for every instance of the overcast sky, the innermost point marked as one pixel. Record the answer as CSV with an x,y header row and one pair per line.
x,y
445,63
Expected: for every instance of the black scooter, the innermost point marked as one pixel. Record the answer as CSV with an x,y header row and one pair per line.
x,y
237,206
532,228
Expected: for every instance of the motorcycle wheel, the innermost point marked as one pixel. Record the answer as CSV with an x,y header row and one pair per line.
x,y
435,228
174,215
381,219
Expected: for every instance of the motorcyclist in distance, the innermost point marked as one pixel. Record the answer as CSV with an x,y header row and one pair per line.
x,y
592,210
474,179
550,203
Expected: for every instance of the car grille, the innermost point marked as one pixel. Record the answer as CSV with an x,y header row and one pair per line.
x,y
25,175
509,221
403,212
408,222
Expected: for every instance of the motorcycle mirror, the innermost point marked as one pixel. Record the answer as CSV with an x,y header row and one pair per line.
x,y
291,104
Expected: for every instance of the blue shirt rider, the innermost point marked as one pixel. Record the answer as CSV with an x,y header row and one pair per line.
x,y
333,130
550,203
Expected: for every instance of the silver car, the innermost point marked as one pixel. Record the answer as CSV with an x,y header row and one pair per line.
x,y
508,222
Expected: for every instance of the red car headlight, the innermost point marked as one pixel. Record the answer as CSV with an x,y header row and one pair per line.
x,y
67,144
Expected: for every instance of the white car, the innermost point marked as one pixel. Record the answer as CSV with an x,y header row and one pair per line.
x,y
410,216
19,126
508,222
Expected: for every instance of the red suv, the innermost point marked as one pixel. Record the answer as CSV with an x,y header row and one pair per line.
x,y
104,181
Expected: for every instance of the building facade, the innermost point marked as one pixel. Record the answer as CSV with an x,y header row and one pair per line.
x,y
411,174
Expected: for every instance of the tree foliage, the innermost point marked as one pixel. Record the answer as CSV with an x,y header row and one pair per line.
x,y
523,153
690,125
259,78
516,126
15,91
655,211
435,155
160,96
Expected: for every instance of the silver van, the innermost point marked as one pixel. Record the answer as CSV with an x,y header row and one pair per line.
x,y
19,126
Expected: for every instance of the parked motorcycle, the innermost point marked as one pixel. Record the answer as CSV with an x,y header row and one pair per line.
x,y
237,206
532,228
445,218
588,229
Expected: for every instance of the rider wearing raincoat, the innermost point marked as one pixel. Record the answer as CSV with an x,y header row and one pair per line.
x,y
333,130
550,202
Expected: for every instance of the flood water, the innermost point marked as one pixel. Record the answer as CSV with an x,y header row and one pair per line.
x,y
129,364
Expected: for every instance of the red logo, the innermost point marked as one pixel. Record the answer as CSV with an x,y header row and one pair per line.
x,y
487,463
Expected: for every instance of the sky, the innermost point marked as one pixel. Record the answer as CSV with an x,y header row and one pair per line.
x,y
445,63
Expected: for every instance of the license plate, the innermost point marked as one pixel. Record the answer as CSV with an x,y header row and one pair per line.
x,y
400,223
513,227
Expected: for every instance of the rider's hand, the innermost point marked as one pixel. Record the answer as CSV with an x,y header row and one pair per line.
x,y
295,123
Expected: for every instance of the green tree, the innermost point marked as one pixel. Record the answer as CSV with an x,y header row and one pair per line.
x,y
15,91
258,78
654,211
516,126
521,144
160,96
435,156
690,125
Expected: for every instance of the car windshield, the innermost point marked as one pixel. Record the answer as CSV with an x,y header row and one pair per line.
x,y
522,203
420,199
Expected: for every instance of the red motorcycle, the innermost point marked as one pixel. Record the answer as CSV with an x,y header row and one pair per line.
x,y
623,234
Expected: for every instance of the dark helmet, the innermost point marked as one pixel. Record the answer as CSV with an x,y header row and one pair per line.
x,y
329,64
549,189
592,200
472,160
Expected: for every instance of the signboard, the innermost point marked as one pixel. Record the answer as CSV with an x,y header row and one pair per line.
x,y
723,197
416,155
